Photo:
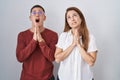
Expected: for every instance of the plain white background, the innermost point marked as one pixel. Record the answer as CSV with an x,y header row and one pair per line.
x,y
102,17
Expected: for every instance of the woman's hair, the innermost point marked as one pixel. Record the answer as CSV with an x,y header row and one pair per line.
x,y
83,27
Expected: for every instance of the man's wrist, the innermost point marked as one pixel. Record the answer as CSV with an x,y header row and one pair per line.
x,y
41,40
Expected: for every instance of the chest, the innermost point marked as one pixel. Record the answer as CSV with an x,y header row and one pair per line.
x,y
67,41
29,37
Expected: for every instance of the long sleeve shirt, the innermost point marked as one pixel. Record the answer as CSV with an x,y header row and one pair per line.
x,y
36,56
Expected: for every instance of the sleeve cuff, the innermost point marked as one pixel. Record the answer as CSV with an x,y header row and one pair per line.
x,y
42,43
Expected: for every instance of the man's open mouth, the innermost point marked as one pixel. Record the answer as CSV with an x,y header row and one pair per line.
x,y
37,20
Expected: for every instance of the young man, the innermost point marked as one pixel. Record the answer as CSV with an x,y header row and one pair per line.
x,y
36,48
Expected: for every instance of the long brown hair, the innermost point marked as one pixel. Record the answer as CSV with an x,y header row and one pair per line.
x,y
83,28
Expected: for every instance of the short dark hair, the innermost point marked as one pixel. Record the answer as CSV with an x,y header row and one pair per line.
x,y
38,7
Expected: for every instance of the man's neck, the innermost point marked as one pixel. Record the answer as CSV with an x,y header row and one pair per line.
x,y
41,29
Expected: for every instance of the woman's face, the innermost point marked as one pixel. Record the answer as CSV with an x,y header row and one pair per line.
x,y
73,19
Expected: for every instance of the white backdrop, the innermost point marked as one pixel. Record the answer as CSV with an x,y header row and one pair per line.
x,y
102,17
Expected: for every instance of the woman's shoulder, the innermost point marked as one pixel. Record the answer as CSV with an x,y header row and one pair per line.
x,y
91,36
64,34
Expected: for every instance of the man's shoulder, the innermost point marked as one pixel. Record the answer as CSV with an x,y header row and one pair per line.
x,y
49,31
24,32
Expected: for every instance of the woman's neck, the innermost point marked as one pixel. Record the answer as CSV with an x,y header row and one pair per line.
x,y
76,30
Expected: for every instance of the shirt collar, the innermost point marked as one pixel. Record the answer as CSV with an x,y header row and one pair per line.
x,y
70,33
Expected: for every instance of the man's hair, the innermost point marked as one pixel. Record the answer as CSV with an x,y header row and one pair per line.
x,y
37,6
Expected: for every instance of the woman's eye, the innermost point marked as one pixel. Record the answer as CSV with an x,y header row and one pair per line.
x,y
68,17
74,14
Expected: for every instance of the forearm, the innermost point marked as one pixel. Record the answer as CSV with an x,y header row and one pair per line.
x,y
64,54
48,47
88,58
48,52
23,52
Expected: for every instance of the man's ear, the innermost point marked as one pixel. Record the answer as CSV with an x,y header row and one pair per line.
x,y
30,18
44,18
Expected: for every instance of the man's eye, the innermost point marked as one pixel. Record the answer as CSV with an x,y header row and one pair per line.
x,y
33,13
40,13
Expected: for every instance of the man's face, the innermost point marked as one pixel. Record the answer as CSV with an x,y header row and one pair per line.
x,y
37,16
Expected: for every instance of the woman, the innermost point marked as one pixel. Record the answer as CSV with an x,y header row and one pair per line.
x,y
76,48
